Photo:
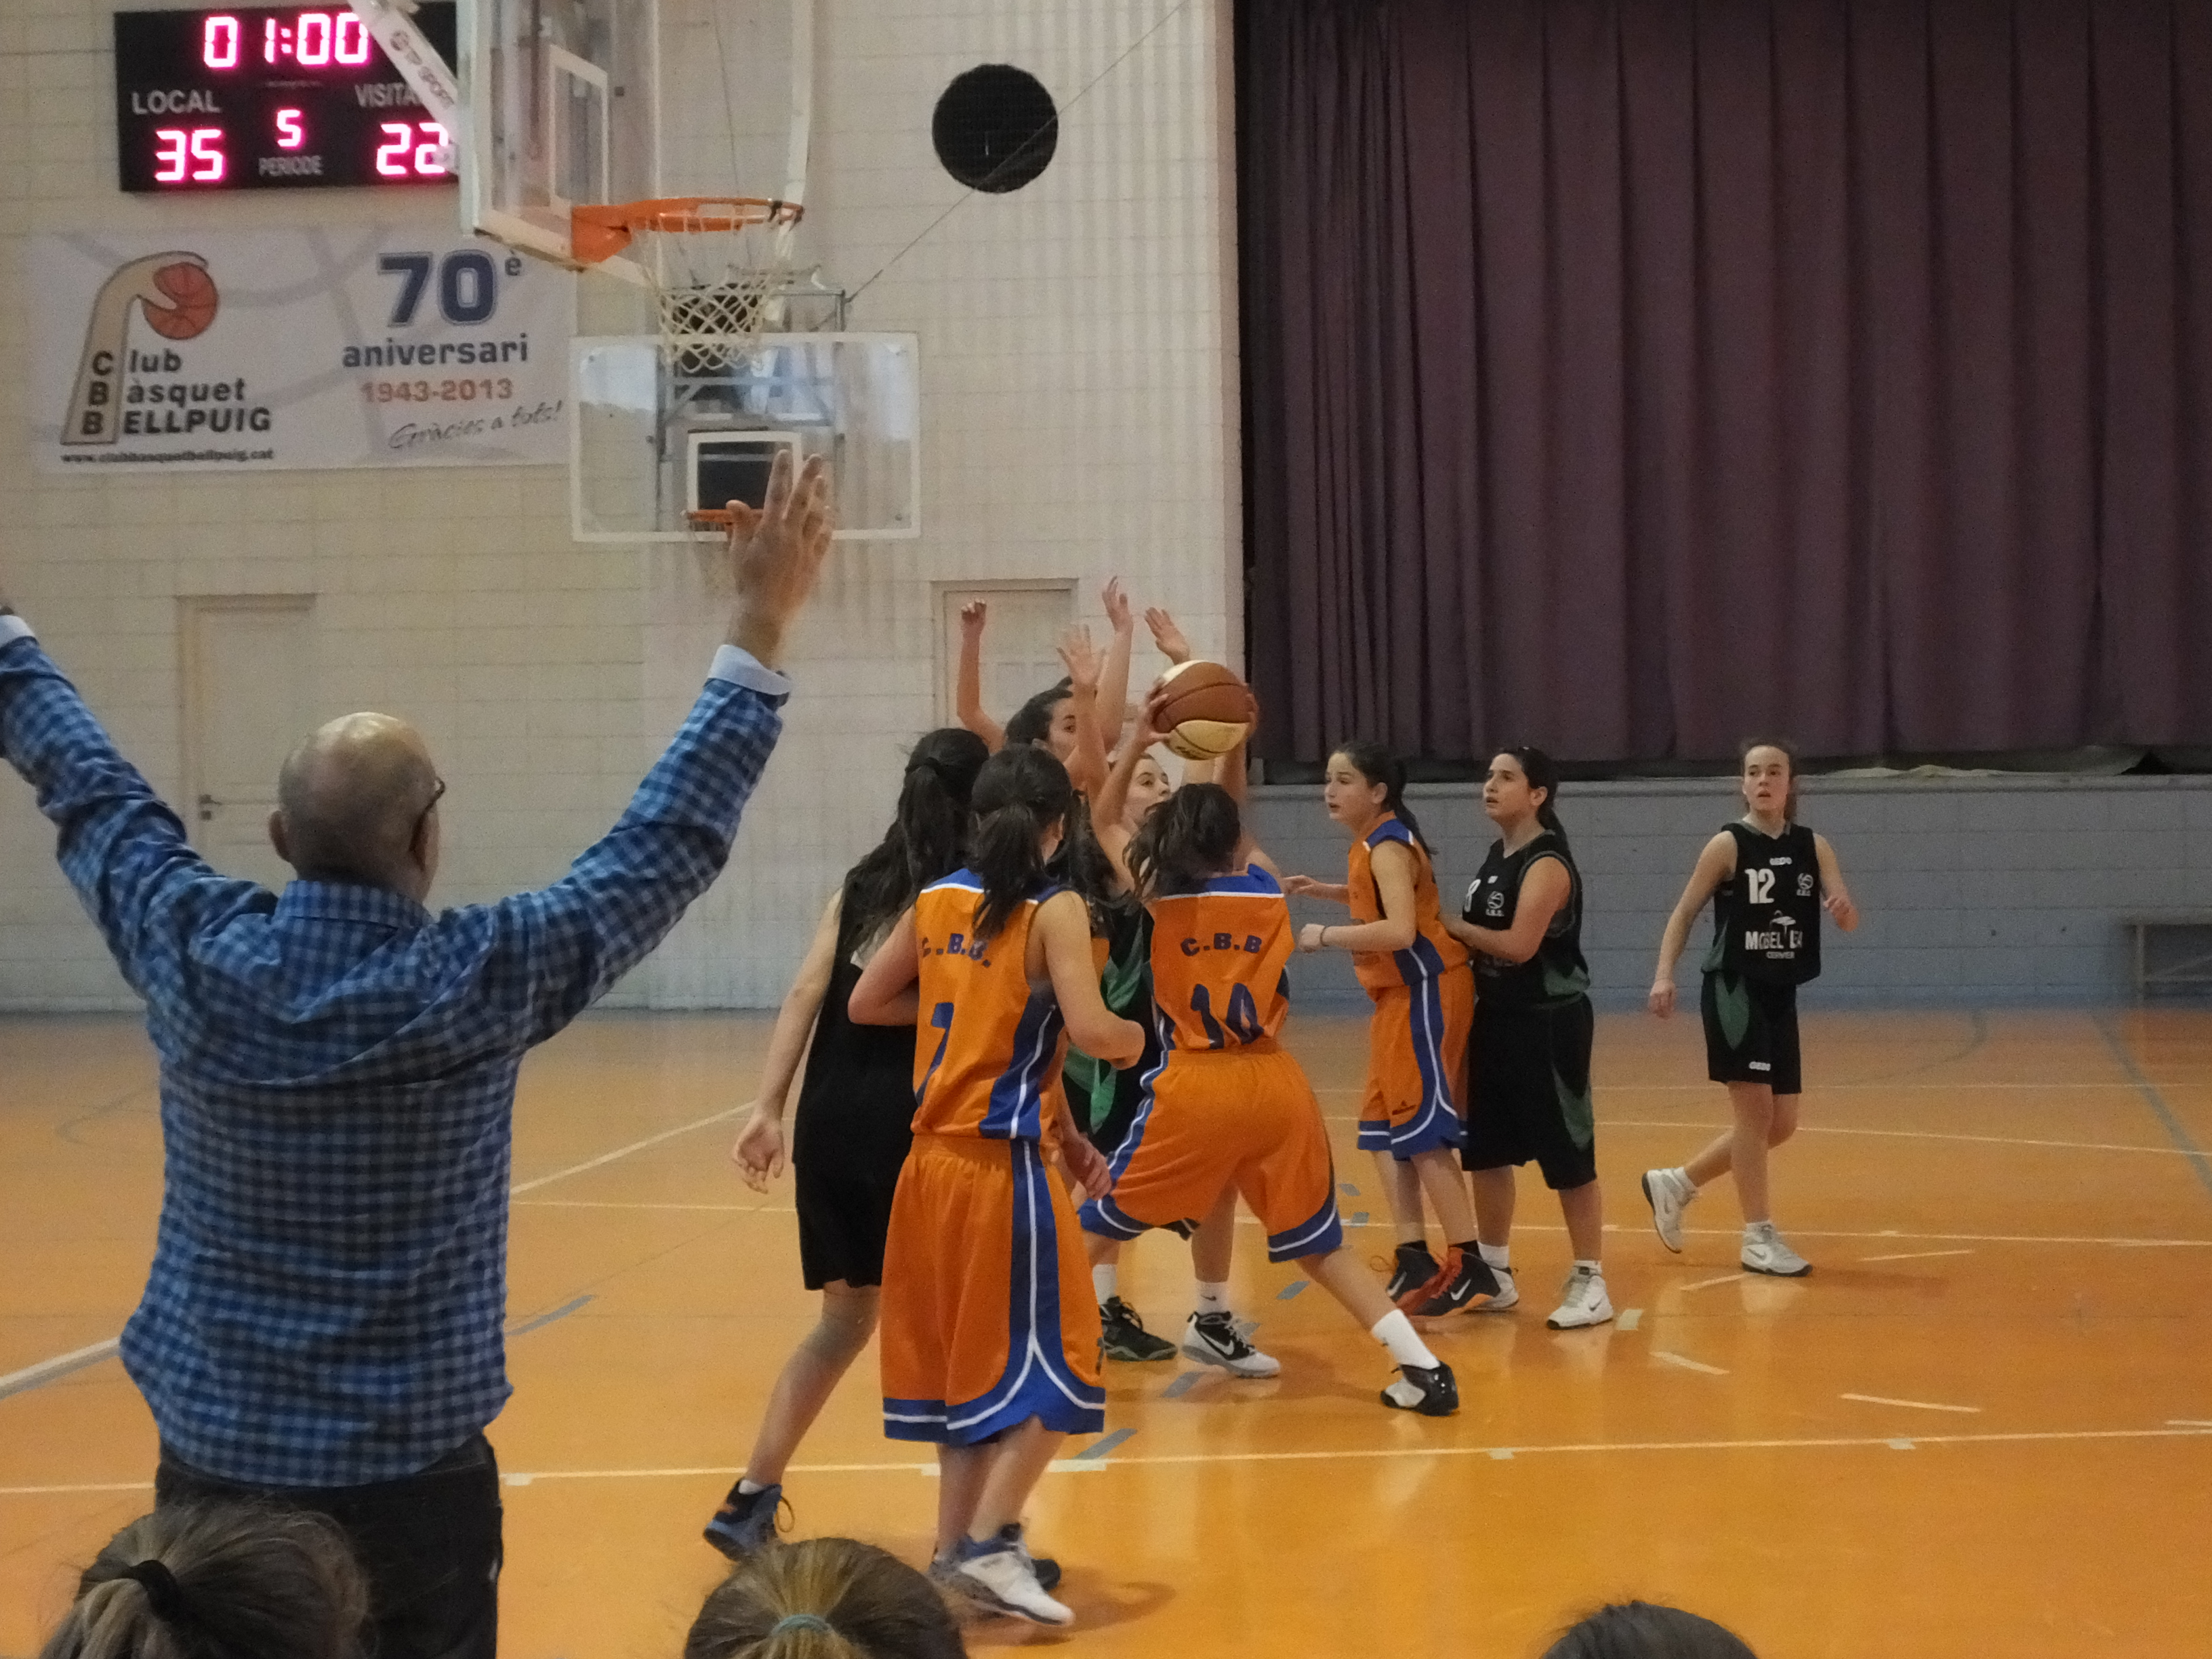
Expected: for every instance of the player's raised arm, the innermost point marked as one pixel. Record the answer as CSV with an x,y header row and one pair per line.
x,y
967,679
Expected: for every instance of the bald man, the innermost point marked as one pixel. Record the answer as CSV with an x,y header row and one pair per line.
x,y
322,1324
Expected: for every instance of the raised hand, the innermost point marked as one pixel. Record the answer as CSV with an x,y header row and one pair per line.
x,y
775,554
973,615
1166,636
1118,616
1085,662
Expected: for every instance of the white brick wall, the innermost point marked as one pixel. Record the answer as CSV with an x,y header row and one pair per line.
x,y
1079,374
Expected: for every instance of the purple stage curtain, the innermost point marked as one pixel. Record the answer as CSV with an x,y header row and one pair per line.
x,y
1630,376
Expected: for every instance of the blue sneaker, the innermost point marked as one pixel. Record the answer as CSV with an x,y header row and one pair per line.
x,y
747,1521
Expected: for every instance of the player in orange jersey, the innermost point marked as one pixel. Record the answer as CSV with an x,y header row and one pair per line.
x,y
990,1339
1417,976
1226,1108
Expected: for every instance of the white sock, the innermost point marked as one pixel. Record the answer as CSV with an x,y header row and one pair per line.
x,y
1395,1332
1689,1187
1496,1255
1596,1269
749,1487
1106,1282
1212,1299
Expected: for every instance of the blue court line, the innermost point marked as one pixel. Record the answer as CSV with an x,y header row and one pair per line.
x,y
52,1371
1182,1386
1100,1448
545,1319
2174,1130
1291,1289
1347,1189
1359,1217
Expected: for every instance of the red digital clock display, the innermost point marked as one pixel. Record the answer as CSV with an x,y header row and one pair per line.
x,y
272,99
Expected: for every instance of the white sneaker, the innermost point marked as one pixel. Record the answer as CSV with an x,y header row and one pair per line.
x,y
999,1575
1583,1302
1763,1252
1508,1296
1669,1193
1213,1339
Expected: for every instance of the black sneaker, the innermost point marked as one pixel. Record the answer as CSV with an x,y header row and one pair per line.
x,y
1438,1391
1471,1278
1122,1335
746,1523
1415,1268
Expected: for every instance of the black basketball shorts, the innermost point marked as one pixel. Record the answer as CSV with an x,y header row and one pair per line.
x,y
1528,1091
1751,1032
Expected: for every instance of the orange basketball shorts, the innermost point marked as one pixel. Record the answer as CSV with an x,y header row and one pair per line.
x,y
987,1318
1416,1059
1242,1117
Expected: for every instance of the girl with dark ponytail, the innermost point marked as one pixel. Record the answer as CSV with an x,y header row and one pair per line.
x,y
1416,973
990,1339
849,1137
1529,1086
1226,1110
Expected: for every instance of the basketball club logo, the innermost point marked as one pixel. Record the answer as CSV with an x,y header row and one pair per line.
x,y
178,299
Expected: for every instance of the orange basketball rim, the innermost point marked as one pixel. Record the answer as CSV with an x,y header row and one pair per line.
x,y
598,233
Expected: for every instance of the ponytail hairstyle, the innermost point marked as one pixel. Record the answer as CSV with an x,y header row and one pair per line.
x,y
245,1581
1542,773
928,838
1789,751
827,1598
1192,834
1378,765
1020,793
1032,722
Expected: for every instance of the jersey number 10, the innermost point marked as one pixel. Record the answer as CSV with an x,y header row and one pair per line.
x,y
1243,1015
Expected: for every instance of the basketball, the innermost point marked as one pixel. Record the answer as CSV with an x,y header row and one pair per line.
x,y
191,301
1209,709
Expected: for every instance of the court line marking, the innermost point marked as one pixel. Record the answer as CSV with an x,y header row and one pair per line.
x,y
1348,1454
1182,1386
1915,1255
1291,1289
1686,1363
1916,1405
545,1319
1630,1319
1098,1449
2189,1422
1901,1445
45,1370
1353,1454
61,1365
1620,1227
1707,1284
2149,1093
1899,1134
605,1158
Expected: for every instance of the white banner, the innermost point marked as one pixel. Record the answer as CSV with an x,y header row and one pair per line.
x,y
284,349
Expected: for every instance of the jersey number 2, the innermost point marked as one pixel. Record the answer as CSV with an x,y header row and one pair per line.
x,y
1243,1015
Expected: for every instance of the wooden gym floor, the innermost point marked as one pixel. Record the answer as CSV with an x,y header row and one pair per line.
x,y
1984,1425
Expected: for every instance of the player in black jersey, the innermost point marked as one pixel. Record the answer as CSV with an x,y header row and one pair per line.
x,y
850,1136
1528,1059
1769,878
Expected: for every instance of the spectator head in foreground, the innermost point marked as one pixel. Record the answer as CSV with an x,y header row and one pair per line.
x,y
218,1581
827,1598
1642,1630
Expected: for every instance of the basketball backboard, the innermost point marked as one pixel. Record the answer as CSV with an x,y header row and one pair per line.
x,y
660,427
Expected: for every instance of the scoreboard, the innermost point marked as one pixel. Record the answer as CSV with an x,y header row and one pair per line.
x,y
272,98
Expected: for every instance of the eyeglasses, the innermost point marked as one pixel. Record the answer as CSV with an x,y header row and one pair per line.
x,y
423,816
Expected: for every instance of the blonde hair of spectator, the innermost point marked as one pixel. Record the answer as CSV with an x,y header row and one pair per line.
x,y
244,1581
825,1598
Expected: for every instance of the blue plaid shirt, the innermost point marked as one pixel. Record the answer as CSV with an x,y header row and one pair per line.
x,y
337,1088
